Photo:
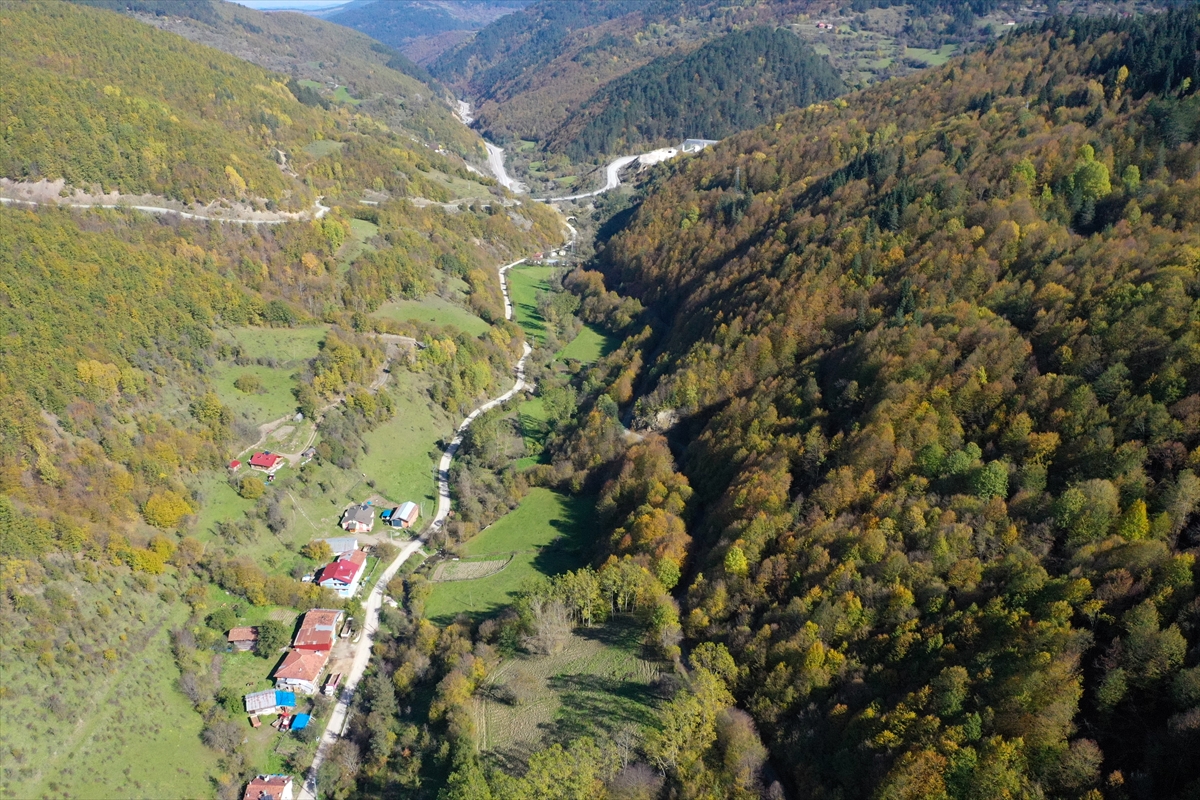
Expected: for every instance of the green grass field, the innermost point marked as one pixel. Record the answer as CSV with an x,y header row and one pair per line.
x,y
934,58
591,345
275,400
547,533
120,730
403,451
433,309
342,95
524,283
322,147
595,686
283,344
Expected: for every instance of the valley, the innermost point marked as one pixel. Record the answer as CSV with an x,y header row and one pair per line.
x,y
639,400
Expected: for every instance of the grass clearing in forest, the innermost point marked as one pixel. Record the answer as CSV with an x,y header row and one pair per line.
x,y
596,685
282,344
322,147
437,310
934,58
404,450
524,283
591,345
547,534
272,401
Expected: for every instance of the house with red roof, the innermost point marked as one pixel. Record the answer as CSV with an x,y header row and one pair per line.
x,y
343,575
300,670
243,638
269,787
318,630
267,462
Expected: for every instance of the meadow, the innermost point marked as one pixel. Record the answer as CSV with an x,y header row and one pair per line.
x,y
546,535
589,346
524,283
597,685
433,309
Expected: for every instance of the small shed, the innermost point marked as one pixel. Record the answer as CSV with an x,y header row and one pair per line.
x,y
300,722
243,638
234,465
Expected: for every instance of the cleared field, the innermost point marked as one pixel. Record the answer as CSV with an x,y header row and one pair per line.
x,y
433,309
403,451
589,346
545,535
275,400
934,58
342,95
282,344
467,570
321,147
597,684
524,283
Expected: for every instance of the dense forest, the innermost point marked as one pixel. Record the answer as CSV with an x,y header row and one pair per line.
x,y
924,357
730,84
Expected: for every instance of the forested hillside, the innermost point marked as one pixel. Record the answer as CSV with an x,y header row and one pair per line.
x,y
339,65
528,70
735,82
423,30
924,359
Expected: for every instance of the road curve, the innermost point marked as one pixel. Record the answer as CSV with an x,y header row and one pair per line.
x,y
336,727
612,181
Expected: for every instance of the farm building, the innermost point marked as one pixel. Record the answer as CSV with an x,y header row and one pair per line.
x,y
266,462
342,544
301,670
317,630
359,519
270,701
269,787
405,516
343,575
234,465
243,638
308,454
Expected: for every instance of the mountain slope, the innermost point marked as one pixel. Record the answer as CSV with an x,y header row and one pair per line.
x,y
732,83
529,70
377,80
930,350
423,29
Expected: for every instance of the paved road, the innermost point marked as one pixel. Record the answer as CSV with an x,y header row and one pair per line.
x,y
496,165
362,653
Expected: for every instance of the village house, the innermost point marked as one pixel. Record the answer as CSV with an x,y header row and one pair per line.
x,y
300,670
403,516
359,519
318,630
270,701
343,575
267,462
243,638
270,787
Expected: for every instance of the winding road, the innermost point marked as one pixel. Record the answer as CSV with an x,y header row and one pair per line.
x,y
336,727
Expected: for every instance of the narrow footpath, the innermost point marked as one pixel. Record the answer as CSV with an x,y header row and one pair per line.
x,y
371,605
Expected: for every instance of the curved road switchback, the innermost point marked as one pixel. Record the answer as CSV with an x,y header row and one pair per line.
x,y
336,727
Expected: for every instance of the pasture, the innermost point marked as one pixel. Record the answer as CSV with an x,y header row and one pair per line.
x,y
524,283
433,309
404,450
546,535
597,685
591,345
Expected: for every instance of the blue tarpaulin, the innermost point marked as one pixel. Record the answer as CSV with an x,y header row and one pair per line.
x,y
300,722
285,699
